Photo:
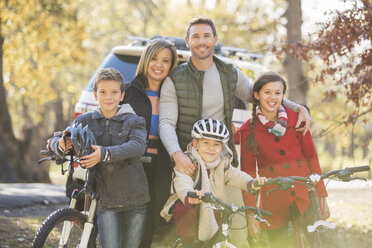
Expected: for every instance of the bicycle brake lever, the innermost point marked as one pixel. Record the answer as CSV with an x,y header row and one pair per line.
x,y
258,218
43,160
358,178
271,190
53,157
213,207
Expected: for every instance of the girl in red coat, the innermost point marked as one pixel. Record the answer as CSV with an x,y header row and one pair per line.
x,y
271,147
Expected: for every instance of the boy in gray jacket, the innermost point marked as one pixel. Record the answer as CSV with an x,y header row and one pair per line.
x,y
210,153
122,185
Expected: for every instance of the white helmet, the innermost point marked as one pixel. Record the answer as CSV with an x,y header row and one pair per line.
x,y
210,129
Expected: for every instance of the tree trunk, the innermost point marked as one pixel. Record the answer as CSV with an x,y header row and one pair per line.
x,y
297,83
17,158
8,142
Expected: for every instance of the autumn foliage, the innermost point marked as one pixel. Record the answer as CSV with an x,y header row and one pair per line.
x,y
343,46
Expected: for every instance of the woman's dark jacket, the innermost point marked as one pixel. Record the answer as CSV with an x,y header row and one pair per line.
x,y
136,96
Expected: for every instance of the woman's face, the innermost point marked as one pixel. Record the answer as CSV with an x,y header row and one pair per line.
x,y
159,66
270,96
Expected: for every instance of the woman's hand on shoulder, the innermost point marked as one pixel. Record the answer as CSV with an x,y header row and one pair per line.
x,y
303,121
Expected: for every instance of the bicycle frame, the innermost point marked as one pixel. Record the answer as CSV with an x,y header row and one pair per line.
x,y
318,225
91,201
318,221
221,237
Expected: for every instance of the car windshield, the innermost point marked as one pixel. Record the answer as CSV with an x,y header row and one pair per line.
x,y
127,65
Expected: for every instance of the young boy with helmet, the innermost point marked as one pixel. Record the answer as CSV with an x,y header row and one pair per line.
x,y
211,155
120,135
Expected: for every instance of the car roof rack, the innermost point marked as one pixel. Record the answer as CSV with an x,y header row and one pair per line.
x,y
180,44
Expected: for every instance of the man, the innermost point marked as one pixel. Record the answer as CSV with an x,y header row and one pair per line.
x,y
204,87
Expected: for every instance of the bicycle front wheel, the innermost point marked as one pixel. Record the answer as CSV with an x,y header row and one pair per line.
x,y
327,238
177,243
62,228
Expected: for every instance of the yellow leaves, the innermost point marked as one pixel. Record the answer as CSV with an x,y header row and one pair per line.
x,y
42,44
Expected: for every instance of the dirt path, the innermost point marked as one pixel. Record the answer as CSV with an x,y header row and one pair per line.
x,y
350,205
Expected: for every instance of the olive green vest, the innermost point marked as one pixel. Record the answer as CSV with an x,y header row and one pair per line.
x,y
188,82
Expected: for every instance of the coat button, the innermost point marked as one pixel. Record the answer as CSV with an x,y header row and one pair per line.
x,y
282,152
271,169
286,166
298,162
277,139
293,193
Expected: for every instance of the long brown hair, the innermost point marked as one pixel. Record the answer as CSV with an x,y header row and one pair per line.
x,y
267,77
151,50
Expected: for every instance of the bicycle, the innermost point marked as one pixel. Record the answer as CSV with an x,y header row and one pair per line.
x,y
319,233
221,238
69,227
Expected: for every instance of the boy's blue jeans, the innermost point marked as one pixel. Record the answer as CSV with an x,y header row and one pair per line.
x,y
125,228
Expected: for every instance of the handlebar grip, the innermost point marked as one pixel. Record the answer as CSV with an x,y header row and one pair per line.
x,y
206,198
145,159
359,168
269,181
256,210
192,194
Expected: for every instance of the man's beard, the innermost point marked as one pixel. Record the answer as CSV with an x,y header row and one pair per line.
x,y
206,55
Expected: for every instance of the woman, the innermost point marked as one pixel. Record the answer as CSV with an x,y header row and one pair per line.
x,y
271,147
157,60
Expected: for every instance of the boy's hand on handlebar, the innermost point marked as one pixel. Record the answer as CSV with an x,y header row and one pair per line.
x,y
253,227
199,193
64,147
92,159
259,181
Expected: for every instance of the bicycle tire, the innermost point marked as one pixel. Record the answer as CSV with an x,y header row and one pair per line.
x,y
177,243
48,235
327,238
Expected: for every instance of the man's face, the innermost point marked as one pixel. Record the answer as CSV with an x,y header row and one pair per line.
x,y
201,41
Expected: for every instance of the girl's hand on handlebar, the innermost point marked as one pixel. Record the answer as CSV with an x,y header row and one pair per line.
x,y
253,227
199,193
324,205
92,159
260,181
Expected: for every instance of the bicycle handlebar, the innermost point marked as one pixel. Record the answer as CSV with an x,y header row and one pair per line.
x,y
285,183
210,198
50,155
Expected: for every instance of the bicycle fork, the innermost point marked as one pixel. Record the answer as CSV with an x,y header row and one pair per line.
x,y
88,225
67,226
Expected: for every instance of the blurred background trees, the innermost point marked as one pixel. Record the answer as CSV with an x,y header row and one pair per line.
x,y
50,48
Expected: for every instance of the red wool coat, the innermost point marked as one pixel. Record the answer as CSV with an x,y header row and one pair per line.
x,y
290,155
